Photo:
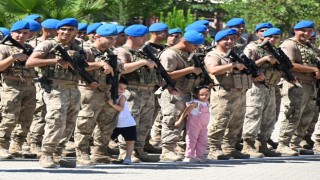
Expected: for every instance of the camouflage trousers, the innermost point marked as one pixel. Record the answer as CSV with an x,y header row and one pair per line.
x,y
226,119
155,132
141,104
94,112
260,116
18,102
297,109
63,105
313,123
171,108
38,122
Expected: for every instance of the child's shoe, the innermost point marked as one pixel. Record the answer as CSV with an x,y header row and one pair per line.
x,y
127,161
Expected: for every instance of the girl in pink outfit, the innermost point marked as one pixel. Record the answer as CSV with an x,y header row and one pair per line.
x,y
198,114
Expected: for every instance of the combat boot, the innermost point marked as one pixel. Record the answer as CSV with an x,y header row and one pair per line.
x,y
4,154
235,154
262,147
46,160
249,148
305,145
308,139
58,159
113,148
301,150
285,150
181,151
83,157
316,148
148,147
35,149
144,157
169,155
69,150
100,156
15,148
217,154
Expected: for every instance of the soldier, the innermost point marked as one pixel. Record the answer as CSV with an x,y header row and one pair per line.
x,y
82,31
4,32
260,116
18,93
175,61
63,100
174,37
94,109
239,25
159,33
35,17
35,28
298,103
37,127
206,23
91,31
227,103
141,87
121,37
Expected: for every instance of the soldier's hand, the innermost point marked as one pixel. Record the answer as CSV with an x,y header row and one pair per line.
x,y
63,64
239,66
93,85
20,56
197,70
272,60
107,69
151,64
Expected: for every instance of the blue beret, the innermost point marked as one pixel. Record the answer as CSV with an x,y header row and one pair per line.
x,y
33,25
67,22
313,34
5,32
175,30
196,27
20,25
82,27
50,23
120,29
158,27
235,22
33,16
194,37
107,30
93,27
227,32
271,31
202,21
304,24
263,25
136,30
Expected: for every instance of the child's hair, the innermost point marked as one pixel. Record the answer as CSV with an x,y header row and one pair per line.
x,y
196,89
123,81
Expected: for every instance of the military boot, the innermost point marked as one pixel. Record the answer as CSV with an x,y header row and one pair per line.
x,y
235,154
15,148
308,139
169,155
35,149
316,148
180,150
272,143
46,160
100,156
83,157
58,159
285,150
69,150
249,148
262,146
305,145
144,157
113,148
122,153
4,154
301,150
148,147
217,154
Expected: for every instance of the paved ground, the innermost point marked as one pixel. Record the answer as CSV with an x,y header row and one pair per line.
x,y
302,167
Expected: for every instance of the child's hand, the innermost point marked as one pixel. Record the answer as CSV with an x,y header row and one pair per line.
x,y
177,123
110,102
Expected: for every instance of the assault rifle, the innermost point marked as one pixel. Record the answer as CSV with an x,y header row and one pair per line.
x,y
113,80
198,60
45,83
160,69
251,67
285,65
79,64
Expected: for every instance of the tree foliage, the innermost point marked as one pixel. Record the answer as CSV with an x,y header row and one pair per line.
x,y
178,18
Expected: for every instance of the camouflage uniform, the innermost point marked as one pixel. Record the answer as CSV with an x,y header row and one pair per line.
x,y
17,102
260,116
227,105
62,103
173,105
140,97
297,103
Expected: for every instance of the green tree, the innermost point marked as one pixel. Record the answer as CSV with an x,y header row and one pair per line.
x,y
178,18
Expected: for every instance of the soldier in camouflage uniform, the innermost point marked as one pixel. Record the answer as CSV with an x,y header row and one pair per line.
x,y
63,100
18,93
260,116
174,37
141,86
82,31
175,61
298,103
239,25
227,103
121,37
91,31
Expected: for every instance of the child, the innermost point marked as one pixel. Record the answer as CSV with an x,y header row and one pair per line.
x,y
126,124
198,118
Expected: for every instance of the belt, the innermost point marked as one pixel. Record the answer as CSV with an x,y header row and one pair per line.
x,y
230,88
142,87
17,80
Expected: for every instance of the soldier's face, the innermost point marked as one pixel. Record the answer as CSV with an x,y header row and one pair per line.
x,y
260,32
162,35
108,41
66,33
121,38
274,39
240,28
21,35
227,42
139,41
82,35
303,34
191,47
173,39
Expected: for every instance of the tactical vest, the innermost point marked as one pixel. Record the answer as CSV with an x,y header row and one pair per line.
x,y
233,79
143,75
272,75
308,56
18,69
55,71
